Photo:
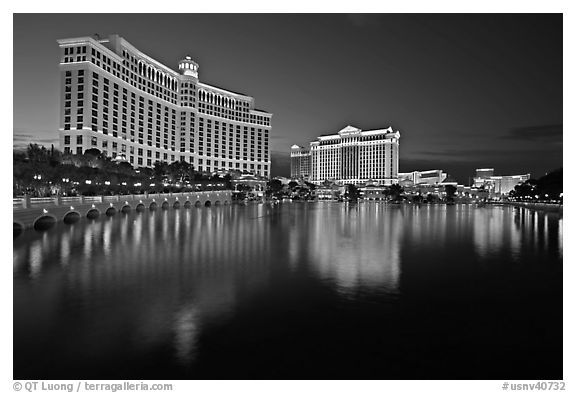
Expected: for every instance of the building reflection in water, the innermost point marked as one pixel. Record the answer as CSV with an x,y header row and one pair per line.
x,y
186,328
494,230
160,273
356,246
36,255
162,279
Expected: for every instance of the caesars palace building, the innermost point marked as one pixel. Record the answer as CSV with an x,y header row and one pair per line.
x,y
131,107
351,156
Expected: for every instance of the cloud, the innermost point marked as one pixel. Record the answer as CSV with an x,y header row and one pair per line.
x,y
481,154
20,139
548,132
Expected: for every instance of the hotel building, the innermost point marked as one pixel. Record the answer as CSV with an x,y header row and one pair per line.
x,y
497,185
131,107
353,156
431,177
299,162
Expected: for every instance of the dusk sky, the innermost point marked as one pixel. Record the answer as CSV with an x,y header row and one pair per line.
x,y
465,91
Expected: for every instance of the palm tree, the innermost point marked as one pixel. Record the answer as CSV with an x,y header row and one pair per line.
x,y
395,191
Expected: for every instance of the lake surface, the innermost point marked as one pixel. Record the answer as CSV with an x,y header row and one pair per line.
x,y
296,290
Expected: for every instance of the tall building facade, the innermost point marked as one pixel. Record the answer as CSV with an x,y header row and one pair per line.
x,y
131,107
354,156
299,162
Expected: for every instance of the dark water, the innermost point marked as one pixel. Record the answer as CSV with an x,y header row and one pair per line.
x,y
307,291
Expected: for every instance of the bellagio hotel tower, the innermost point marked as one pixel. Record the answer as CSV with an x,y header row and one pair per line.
x,y
133,108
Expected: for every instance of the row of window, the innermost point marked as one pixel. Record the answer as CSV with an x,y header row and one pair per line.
x,y
187,100
154,119
209,164
146,77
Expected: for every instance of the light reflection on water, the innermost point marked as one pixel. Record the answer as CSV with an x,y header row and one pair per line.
x,y
354,247
169,285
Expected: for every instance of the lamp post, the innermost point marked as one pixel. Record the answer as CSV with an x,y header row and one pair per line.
x,y
65,182
37,179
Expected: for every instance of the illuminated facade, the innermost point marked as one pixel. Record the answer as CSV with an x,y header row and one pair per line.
x,y
354,156
434,176
497,185
299,162
131,107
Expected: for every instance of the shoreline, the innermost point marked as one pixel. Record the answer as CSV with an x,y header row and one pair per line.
x,y
549,207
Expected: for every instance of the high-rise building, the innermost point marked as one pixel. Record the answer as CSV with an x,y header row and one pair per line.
x,y
354,156
299,162
131,107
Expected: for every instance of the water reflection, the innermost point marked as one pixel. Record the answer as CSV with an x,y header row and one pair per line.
x,y
356,246
186,330
169,288
494,230
202,253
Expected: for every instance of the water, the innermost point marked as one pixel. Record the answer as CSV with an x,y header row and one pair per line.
x,y
307,291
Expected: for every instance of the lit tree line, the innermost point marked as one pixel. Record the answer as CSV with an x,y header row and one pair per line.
x,y
39,171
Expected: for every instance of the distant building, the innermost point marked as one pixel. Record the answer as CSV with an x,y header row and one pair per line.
x,y
329,192
256,183
299,162
354,156
434,176
497,185
131,107
484,173
372,191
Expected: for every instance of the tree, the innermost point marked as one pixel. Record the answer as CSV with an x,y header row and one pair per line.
x,y
352,193
160,170
93,152
417,198
550,184
179,170
431,198
93,158
311,186
395,191
292,184
274,186
450,192
244,188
